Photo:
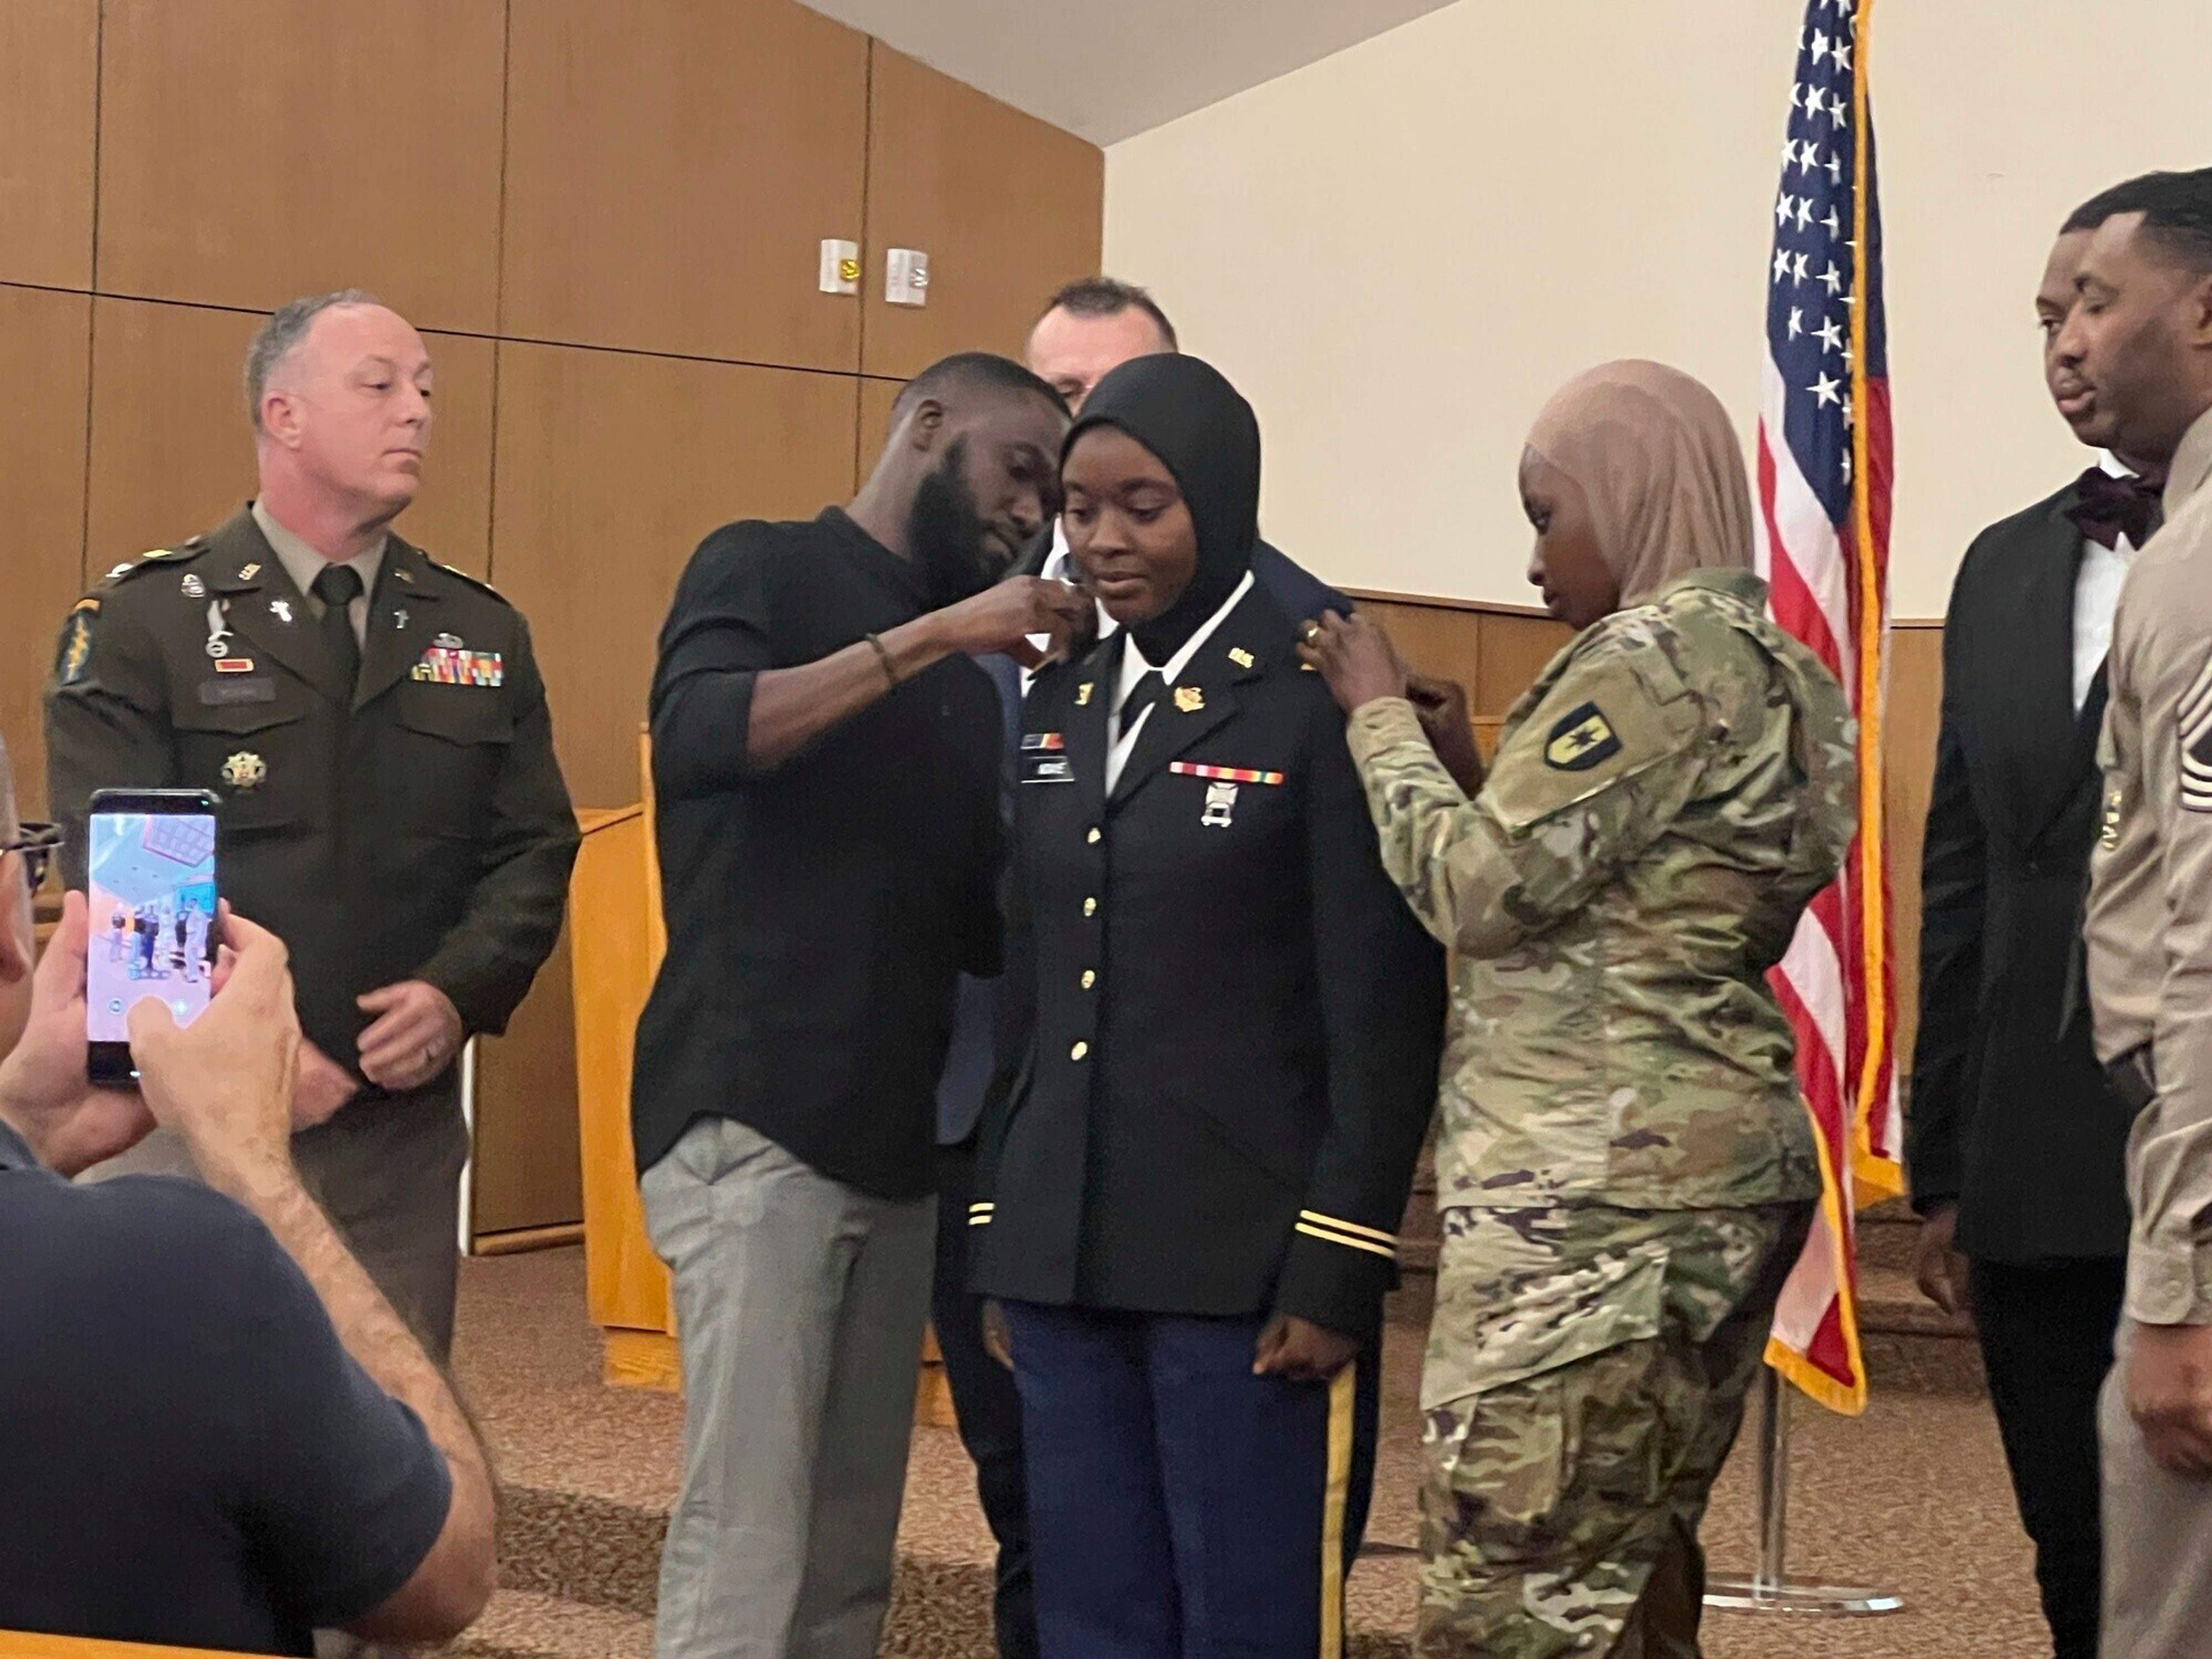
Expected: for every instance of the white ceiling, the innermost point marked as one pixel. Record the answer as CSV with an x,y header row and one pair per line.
x,y
1107,70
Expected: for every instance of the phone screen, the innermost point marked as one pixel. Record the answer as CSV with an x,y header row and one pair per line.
x,y
151,898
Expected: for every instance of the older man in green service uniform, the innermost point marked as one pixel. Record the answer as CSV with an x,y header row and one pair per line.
x,y
374,726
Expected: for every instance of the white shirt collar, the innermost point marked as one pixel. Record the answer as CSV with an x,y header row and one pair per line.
x,y
1134,667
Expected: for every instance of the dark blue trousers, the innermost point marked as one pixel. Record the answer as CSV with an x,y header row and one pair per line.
x,y
1180,1507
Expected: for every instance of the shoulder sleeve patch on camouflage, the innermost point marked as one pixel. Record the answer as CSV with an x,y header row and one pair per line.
x,y
1616,723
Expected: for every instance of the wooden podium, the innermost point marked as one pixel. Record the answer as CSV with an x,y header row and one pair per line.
x,y
615,921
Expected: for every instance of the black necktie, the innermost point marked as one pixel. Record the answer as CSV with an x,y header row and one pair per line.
x,y
1142,696
337,588
2111,508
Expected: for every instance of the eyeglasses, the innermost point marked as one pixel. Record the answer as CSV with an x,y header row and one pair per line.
x,y
38,843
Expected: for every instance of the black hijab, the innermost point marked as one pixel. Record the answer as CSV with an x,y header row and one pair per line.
x,y
1204,433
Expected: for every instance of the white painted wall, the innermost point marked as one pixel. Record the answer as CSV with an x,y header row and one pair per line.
x,y
1399,252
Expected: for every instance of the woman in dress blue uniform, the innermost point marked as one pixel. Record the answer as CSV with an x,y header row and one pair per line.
x,y
1230,1029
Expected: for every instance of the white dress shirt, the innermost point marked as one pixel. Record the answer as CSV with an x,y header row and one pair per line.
x,y
1120,744
2096,596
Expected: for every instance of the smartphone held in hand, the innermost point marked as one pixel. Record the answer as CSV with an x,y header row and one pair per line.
x,y
150,893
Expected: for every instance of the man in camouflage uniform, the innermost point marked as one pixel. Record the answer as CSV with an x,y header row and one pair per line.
x,y
1625,1169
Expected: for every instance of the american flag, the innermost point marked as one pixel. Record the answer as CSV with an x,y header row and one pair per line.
x,y
1824,499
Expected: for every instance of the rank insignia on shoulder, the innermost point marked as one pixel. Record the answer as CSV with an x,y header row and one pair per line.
x,y
1083,694
1044,740
245,771
184,552
76,651
1188,700
1240,656
1584,739
2194,715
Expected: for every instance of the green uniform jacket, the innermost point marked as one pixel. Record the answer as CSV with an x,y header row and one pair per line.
x,y
1676,786
418,830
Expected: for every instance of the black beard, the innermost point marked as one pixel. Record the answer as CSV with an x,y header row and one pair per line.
x,y
945,533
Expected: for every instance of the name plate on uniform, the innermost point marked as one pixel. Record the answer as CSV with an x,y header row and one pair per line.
x,y
221,694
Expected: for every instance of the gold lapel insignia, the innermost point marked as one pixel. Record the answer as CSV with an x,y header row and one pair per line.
x,y
403,573
1240,656
1188,699
246,573
1083,694
245,771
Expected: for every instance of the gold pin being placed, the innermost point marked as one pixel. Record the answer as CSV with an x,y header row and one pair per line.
x,y
1188,700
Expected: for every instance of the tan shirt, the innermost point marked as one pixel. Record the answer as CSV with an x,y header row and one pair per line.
x,y
302,564
2149,932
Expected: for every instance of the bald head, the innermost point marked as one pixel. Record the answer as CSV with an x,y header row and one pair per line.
x,y
1089,329
340,388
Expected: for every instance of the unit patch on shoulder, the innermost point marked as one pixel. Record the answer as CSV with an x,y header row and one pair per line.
x,y
1584,739
74,654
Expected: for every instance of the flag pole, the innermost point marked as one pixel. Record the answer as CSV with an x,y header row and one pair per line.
x,y
1769,1587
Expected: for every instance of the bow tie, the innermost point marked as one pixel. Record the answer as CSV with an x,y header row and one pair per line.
x,y
2111,508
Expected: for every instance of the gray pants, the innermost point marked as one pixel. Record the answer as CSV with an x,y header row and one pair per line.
x,y
799,1305
2158,1539
387,1170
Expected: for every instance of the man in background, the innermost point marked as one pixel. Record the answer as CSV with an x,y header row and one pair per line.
x,y
825,763
2015,1146
374,726
274,1450
1089,329
2139,340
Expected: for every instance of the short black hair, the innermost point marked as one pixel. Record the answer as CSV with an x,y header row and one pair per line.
x,y
971,372
2175,207
1107,296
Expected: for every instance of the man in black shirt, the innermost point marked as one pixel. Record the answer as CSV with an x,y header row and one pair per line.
x,y
214,1430
825,763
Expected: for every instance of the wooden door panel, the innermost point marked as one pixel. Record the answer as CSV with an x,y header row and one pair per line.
x,y
673,166
1006,206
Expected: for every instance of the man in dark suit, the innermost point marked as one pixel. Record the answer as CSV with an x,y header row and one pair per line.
x,y
2014,1145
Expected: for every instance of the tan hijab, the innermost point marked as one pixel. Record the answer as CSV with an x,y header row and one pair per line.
x,y
1657,457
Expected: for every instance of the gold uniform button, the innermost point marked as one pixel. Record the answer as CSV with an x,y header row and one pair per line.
x,y
1091,906
1092,838
1089,979
1079,1051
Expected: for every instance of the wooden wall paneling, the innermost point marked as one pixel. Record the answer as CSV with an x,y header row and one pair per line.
x,y
173,448
876,397
612,468
528,1167
673,166
1006,206
1513,652
49,92
44,361
1433,639
251,152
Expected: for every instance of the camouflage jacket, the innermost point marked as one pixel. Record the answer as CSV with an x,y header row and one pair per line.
x,y
1676,786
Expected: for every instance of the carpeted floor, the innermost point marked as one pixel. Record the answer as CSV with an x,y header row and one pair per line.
x,y
1911,1498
